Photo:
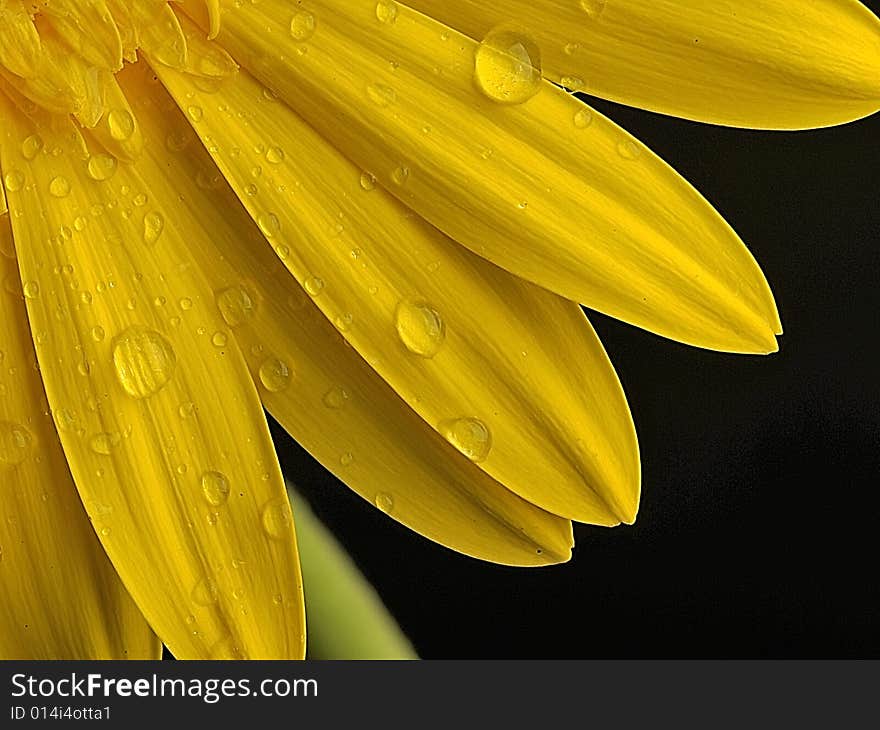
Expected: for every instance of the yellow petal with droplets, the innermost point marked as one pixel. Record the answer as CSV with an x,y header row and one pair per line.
x,y
774,64
19,40
163,38
61,597
470,347
546,189
333,403
88,27
172,455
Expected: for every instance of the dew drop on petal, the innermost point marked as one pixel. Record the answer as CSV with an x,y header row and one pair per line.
x,y
59,187
583,118
31,146
103,443
277,519
629,150
144,361
593,8
121,124
14,180
302,25
386,11
507,66
205,592
215,487
154,224
274,374
420,327
235,304
101,167
470,436
15,443
384,502
336,398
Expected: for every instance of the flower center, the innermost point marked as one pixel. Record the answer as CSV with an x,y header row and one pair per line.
x,y
61,56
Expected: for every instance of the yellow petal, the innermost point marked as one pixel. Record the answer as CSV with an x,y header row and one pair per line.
x,y
61,597
19,40
467,345
118,130
171,454
774,64
333,403
546,189
87,26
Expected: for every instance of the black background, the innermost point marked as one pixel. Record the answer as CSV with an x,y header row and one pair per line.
x,y
758,530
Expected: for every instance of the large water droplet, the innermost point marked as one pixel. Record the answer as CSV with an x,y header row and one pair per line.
x,y
274,374
121,124
215,487
277,519
14,180
470,436
302,26
101,167
31,146
420,327
15,443
386,11
144,361
59,187
154,224
103,443
235,305
385,502
507,66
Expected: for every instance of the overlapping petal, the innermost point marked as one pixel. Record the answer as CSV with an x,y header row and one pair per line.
x,y
546,189
510,374
61,598
774,64
159,420
333,403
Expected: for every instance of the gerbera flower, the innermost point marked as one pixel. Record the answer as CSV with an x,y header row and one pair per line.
x,y
354,215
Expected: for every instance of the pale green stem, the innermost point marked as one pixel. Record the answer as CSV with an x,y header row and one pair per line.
x,y
345,617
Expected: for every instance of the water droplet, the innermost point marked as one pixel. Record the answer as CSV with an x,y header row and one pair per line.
x,y
15,443
121,124
302,25
195,113
31,289
154,224
594,8
59,187
381,95
508,66
314,285
386,11
14,180
235,305
400,175
31,146
629,150
186,304
274,374
336,398
219,339
97,333
277,519
144,361
583,118
470,436
101,167
205,592
186,409
274,155
420,327
572,83
269,224
346,458
385,502
368,181
103,443
215,487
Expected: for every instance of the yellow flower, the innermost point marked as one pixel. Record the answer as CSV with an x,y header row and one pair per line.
x,y
215,207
